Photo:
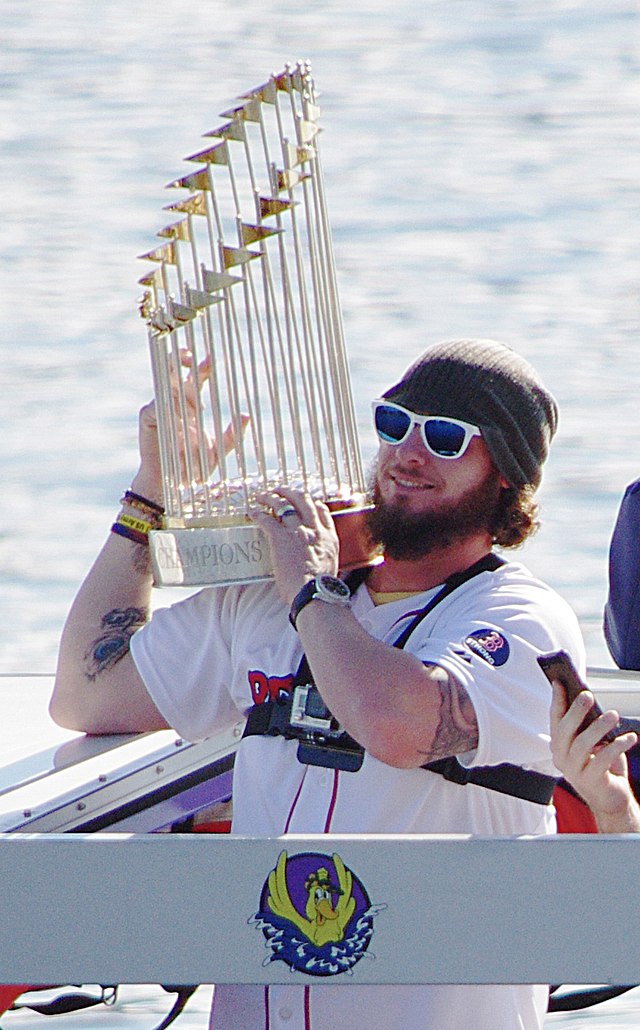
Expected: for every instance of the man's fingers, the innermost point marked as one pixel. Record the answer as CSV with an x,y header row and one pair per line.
x,y
228,440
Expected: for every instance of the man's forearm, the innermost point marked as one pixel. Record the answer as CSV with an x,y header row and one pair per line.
x,y
403,712
97,687
113,602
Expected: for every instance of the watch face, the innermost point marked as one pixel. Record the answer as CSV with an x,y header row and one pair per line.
x,y
333,587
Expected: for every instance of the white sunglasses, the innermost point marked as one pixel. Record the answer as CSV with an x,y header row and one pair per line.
x,y
442,436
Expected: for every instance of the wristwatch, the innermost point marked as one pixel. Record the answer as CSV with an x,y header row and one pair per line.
x,y
323,588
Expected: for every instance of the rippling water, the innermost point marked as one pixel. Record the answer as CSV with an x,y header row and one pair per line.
x,y
482,162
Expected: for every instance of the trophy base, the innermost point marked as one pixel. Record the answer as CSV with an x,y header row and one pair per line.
x,y
238,554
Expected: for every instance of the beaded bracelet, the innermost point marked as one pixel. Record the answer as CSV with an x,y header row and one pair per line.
x,y
142,503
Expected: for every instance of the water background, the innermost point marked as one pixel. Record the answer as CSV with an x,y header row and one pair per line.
x,y
482,162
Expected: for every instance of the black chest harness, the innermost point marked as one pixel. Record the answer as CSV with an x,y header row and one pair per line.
x,y
302,715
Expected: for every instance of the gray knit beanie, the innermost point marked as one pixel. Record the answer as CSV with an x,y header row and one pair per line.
x,y
489,385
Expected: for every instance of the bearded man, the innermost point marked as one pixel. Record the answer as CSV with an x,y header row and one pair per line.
x,y
427,662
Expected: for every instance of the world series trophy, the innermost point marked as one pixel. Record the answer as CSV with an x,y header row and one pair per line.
x,y
249,367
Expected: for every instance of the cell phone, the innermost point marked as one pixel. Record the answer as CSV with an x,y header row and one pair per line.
x,y
558,666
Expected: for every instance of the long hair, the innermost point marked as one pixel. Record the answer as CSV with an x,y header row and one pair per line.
x,y
516,516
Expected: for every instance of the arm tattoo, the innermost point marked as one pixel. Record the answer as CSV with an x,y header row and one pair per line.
x,y
141,559
457,729
119,625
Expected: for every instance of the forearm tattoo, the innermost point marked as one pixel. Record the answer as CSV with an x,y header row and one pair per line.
x,y
457,729
118,625
141,559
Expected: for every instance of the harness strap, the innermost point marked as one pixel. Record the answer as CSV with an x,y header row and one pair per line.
x,y
506,778
489,563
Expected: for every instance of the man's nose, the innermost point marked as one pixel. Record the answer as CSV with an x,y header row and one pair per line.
x,y
413,445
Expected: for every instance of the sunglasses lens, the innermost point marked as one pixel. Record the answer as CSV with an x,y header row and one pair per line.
x,y
444,438
392,425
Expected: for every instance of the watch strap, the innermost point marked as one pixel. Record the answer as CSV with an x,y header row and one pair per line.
x,y
310,592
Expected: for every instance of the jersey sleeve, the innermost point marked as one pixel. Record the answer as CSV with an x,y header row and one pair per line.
x,y
490,640
183,654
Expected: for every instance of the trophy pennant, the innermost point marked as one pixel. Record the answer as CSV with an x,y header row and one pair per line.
x,y
247,344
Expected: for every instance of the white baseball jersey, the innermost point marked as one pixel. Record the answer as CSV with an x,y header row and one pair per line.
x,y
208,659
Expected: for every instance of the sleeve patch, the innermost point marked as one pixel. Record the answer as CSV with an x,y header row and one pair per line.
x,y
489,645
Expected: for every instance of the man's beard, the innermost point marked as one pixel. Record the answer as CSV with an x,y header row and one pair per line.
x,y
406,535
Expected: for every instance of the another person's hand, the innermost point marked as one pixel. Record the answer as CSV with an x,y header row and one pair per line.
x,y
597,771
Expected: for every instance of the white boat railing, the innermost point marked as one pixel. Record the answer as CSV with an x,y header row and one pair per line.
x,y
181,908
142,907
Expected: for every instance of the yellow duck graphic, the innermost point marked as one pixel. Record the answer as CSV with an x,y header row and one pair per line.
x,y
324,922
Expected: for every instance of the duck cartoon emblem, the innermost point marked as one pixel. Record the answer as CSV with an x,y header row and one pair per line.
x,y
315,914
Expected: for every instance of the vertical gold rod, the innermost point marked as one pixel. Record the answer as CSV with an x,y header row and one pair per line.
x,y
294,354
157,344
216,413
304,353
172,425
228,317
318,372
197,487
271,317
214,388
318,376
286,349
346,394
182,399
226,336
297,352
327,373
205,471
251,385
268,354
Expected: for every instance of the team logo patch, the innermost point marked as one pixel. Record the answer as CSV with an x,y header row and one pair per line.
x,y
315,914
489,645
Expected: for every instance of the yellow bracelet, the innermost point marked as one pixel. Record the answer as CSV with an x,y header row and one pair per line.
x,y
139,525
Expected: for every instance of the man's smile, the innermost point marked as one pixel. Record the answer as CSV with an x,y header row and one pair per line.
x,y
410,484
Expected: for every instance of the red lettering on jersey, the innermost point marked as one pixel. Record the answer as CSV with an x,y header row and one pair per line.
x,y
265,687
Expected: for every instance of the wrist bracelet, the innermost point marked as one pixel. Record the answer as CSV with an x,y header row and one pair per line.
x,y
138,501
140,525
130,534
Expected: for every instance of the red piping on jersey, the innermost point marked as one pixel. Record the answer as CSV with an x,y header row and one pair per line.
x,y
332,803
295,801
